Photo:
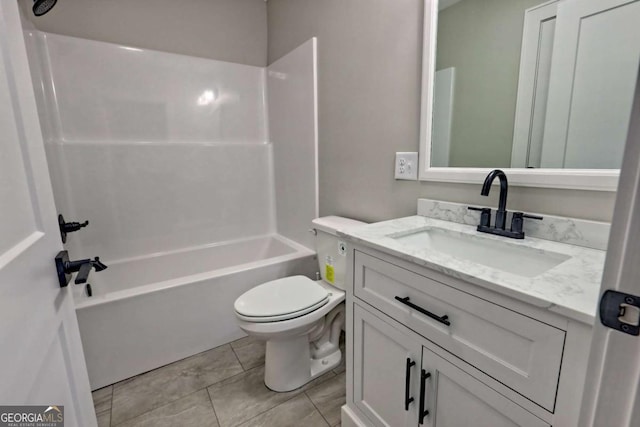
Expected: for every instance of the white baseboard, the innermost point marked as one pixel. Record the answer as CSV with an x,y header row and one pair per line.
x,y
350,419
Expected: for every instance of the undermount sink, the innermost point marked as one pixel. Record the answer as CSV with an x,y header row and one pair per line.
x,y
500,255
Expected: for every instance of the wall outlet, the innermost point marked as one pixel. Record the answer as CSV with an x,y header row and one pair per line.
x,y
407,166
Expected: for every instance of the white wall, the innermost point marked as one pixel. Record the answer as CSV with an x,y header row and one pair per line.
x,y
158,151
369,54
292,101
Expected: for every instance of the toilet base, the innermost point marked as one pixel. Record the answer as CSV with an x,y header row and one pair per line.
x,y
290,366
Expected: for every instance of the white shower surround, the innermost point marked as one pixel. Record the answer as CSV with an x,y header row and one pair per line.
x,y
170,159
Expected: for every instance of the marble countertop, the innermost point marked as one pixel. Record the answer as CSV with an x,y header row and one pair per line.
x,y
571,288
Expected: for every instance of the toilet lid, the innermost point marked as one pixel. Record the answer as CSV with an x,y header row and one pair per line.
x,y
281,297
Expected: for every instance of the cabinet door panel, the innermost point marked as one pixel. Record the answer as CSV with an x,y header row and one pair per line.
x,y
380,370
454,398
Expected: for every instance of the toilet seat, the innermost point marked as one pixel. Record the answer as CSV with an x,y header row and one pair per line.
x,y
281,299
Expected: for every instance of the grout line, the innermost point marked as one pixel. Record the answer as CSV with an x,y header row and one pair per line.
x,y
215,414
237,358
111,406
317,409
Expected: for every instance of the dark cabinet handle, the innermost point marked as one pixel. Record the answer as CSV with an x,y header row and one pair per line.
x,y
407,384
442,319
424,375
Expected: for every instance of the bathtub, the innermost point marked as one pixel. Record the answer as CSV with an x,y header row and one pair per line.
x,y
149,311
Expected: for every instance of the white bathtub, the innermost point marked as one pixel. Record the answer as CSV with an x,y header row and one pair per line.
x,y
149,311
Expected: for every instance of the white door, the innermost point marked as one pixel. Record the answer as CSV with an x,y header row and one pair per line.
x,y
594,64
612,389
41,353
385,358
533,84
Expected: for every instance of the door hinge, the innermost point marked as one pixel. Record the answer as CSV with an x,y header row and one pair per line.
x,y
620,311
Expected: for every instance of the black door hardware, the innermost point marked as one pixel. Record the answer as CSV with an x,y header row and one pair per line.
x,y
407,384
441,319
83,267
499,228
424,376
620,311
69,227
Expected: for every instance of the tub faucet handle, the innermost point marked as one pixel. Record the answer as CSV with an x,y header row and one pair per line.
x,y
66,268
85,269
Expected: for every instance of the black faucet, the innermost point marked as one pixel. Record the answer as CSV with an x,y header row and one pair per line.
x,y
501,214
499,228
83,267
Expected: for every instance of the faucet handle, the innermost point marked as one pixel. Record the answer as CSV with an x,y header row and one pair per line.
x,y
531,216
517,221
485,216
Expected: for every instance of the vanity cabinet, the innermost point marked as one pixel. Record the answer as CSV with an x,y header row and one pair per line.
x,y
468,356
397,379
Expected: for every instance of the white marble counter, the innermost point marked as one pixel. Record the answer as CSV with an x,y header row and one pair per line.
x,y
570,288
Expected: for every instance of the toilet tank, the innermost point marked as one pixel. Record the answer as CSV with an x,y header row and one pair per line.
x,y
332,249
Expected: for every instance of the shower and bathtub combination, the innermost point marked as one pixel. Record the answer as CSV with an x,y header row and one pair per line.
x,y
198,177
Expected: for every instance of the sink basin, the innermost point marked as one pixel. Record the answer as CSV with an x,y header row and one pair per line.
x,y
500,255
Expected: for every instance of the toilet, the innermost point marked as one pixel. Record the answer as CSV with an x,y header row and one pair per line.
x,y
301,319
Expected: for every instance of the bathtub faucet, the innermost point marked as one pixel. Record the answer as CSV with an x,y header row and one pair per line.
x,y
66,268
83,267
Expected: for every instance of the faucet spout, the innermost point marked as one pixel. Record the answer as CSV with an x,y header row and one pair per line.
x,y
501,215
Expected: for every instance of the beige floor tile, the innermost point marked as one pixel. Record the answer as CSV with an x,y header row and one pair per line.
x,y
194,410
104,419
250,352
156,388
296,412
329,397
244,341
102,399
241,398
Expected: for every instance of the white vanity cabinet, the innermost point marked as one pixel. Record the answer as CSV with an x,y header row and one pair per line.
x,y
422,341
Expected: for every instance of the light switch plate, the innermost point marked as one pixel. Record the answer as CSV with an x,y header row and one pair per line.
x,y
406,166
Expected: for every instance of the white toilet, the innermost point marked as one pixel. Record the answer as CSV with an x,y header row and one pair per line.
x,y
299,318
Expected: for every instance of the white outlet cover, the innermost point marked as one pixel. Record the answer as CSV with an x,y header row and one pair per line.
x,y
406,166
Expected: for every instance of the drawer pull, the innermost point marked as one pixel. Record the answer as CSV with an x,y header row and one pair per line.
x,y
424,375
407,384
444,319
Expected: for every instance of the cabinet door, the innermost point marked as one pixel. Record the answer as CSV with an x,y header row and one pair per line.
x,y
454,398
383,357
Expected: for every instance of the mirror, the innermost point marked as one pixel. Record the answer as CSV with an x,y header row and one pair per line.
x,y
530,84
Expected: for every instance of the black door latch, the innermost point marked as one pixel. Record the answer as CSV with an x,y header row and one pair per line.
x,y
620,311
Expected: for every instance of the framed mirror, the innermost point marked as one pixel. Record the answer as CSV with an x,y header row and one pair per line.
x,y
540,89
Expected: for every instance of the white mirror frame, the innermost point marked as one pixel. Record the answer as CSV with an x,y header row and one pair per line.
x,y
582,179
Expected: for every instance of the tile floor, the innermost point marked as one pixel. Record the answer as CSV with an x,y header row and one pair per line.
x,y
222,387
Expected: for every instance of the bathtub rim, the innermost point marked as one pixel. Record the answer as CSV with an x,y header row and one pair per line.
x,y
300,251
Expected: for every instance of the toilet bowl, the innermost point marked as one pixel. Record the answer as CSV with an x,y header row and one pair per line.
x,y
301,319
